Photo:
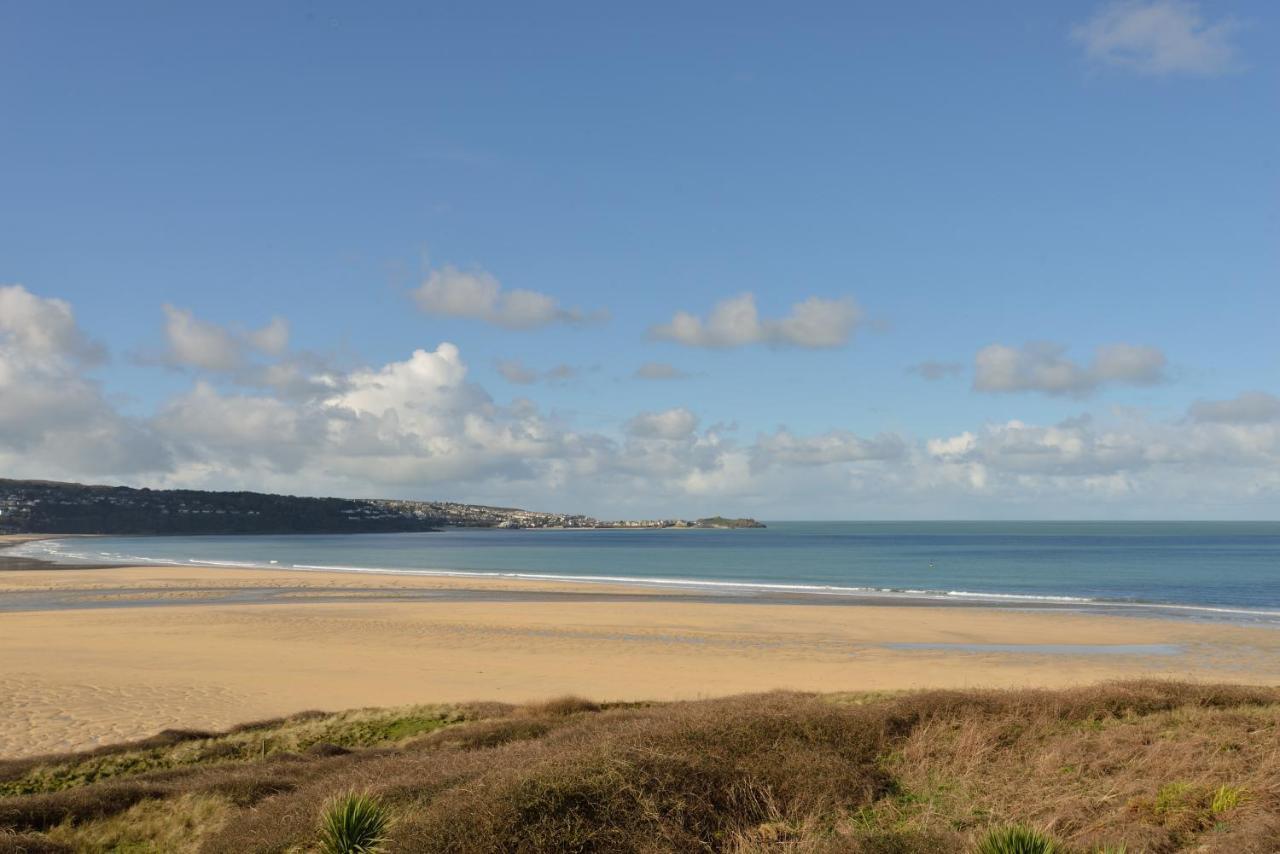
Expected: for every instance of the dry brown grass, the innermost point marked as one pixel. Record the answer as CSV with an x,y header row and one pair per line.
x,y
1153,766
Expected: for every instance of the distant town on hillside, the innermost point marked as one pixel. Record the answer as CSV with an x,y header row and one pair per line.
x,y
48,507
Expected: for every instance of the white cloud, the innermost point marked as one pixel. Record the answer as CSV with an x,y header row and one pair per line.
x,y
1158,37
837,446
54,419
659,371
196,343
420,427
429,385
1250,407
1043,367
44,327
272,339
477,294
669,424
952,447
240,431
735,322
1072,447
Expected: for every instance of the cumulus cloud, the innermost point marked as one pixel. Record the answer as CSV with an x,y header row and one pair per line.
x,y
417,421
1043,367
1070,447
669,424
1132,456
54,418
272,339
44,327
936,370
659,371
477,294
240,431
421,427
257,358
1250,407
735,322
1158,37
196,343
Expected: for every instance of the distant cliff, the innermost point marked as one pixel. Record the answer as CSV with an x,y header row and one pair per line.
x,y
722,522
47,507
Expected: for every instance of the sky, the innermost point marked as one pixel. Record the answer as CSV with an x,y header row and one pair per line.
x,y
837,261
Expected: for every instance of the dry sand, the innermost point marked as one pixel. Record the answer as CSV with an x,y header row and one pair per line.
x,y
137,662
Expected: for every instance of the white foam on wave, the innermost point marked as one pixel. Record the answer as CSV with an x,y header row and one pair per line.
x,y
966,594
57,551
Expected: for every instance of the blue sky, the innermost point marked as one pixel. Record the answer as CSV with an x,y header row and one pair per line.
x,y
939,178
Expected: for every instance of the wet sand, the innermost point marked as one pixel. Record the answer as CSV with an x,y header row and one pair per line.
x,y
90,656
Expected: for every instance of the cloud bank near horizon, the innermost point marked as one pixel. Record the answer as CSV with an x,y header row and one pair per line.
x,y
421,426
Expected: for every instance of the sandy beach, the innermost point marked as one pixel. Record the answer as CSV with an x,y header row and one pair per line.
x,y
90,656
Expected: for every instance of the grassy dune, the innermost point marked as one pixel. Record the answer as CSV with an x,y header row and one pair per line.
x,y
1137,766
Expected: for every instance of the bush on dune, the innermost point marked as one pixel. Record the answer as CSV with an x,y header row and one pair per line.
x,y
1153,766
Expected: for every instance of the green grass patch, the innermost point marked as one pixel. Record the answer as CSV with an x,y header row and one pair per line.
x,y
1017,840
354,729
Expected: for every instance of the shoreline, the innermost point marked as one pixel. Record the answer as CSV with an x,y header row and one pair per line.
x,y
711,590
153,647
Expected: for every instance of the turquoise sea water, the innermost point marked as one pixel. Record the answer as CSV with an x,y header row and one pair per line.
x,y
1228,568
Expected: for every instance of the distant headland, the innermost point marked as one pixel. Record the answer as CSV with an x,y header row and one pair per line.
x,y
50,507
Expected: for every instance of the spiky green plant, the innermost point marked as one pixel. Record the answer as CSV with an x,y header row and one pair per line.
x,y
353,824
1226,798
1017,840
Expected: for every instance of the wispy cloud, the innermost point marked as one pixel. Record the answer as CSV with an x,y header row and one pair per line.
x,y
477,294
930,370
197,343
735,322
1158,37
518,373
659,371
1042,366
1250,407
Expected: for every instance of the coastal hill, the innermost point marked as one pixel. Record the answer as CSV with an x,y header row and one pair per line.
x,y
48,507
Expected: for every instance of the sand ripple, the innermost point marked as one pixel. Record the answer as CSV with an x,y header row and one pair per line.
x,y
45,717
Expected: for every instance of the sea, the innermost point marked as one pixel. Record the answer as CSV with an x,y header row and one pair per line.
x,y
1208,570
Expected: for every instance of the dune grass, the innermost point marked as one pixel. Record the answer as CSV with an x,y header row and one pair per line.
x,y
1016,840
1136,766
173,749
